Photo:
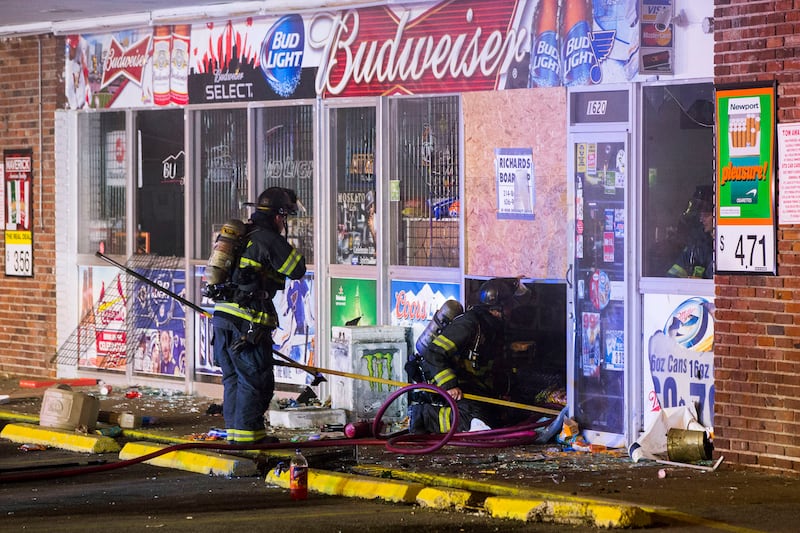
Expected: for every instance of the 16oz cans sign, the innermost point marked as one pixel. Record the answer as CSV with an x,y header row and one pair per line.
x,y
679,335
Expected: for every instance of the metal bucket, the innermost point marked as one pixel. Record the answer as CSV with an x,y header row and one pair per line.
x,y
688,446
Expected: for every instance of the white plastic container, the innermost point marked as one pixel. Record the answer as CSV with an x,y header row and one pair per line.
x,y
63,408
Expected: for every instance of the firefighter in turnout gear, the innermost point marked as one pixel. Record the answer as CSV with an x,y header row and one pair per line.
x,y
461,360
244,322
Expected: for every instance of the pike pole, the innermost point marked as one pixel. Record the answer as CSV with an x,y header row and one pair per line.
x,y
384,381
317,372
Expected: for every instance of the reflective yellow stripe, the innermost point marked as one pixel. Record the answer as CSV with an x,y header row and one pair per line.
x,y
677,271
444,419
245,262
291,262
443,377
244,436
444,343
260,318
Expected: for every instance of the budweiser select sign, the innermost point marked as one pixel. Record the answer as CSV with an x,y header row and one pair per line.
x,y
436,47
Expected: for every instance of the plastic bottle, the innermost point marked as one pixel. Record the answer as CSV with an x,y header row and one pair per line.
x,y
298,476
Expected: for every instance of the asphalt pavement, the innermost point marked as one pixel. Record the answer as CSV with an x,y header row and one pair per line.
x,y
532,486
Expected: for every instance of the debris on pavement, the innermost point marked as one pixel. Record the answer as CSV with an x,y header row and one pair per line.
x,y
32,447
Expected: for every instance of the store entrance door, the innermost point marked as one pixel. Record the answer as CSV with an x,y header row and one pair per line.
x,y
599,171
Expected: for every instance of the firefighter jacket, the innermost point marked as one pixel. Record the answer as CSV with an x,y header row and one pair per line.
x,y
268,259
696,260
463,354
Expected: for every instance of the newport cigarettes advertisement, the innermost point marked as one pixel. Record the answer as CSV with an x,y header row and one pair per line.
x,y
516,193
679,338
745,230
17,179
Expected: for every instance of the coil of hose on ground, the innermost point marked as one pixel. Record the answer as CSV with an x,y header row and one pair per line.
x,y
440,441
524,433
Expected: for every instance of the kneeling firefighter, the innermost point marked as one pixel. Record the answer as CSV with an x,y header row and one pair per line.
x,y
245,317
461,360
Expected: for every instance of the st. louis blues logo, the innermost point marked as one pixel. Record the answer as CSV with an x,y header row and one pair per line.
x,y
602,43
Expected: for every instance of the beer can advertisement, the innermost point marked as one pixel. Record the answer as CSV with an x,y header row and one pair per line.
x,y
679,336
354,302
364,52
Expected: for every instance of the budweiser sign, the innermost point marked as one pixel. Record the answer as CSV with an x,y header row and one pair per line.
x,y
127,62
452,46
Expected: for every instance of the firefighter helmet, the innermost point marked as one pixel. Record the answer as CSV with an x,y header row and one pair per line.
x,y
494,292
277,201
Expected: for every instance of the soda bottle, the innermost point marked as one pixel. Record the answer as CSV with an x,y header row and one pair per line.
x,y
545,68
298,476
577,56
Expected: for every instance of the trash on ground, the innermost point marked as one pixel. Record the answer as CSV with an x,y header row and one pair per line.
x,y
32,447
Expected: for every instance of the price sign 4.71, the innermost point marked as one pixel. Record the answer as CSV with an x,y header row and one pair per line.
x,y
745,248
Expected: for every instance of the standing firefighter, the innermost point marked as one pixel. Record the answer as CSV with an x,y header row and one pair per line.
x,y
245,320
461,360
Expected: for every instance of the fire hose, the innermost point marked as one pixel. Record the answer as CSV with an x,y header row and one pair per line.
x,y
496,401
519,434
316,372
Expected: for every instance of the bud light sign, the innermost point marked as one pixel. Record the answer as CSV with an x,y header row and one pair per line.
x,y
282,55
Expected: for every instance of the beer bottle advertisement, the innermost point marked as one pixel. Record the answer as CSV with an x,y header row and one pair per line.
x,y
545,68
430,47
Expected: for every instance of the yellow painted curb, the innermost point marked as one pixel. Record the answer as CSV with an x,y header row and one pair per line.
x,y
443,498
572,512
59,438
526,504
199,461
341,484
18,417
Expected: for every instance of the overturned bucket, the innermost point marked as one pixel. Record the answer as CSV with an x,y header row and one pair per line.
x,y
688,446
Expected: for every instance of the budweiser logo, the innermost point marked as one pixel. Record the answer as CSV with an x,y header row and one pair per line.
x,y
127,62
419,52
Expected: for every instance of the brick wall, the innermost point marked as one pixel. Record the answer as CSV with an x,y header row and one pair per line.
x,y
30,87
757,332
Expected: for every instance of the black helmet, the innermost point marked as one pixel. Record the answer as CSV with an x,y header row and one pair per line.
x,y
494,292
277,201
702,201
